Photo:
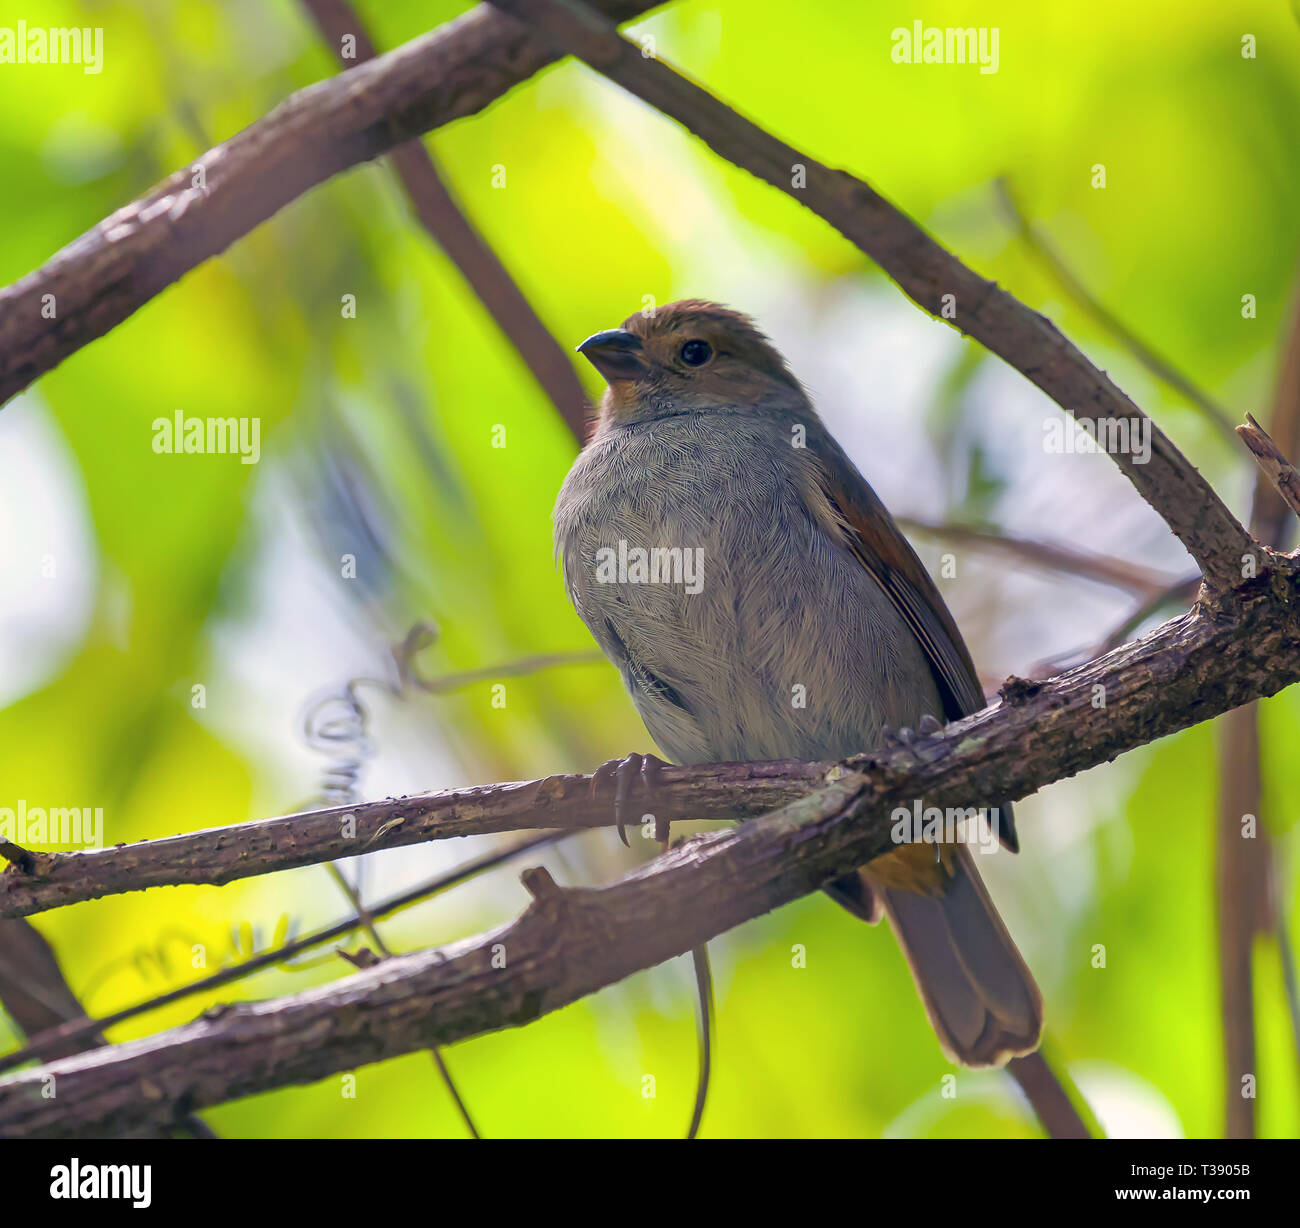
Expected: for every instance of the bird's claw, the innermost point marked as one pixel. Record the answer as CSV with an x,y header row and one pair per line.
x,y
626,773
898,737
902,736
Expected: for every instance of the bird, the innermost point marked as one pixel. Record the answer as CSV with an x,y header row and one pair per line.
x,y
760,602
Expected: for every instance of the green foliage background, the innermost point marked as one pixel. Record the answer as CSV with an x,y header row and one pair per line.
x,y
175,571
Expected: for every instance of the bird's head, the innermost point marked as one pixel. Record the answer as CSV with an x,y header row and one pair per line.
x,y
689,357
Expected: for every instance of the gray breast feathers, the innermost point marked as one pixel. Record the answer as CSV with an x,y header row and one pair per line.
x,y
703,555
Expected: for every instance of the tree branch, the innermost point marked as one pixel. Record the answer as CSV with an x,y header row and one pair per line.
x,y
1160,367
1275,467
569,943
38,998
100,279
1243,861
75,1036
1051,556
221,855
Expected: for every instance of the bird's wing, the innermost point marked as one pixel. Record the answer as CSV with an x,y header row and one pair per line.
x,y
883,550
878,543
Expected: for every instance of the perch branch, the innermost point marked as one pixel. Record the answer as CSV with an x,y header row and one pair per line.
x,y
87,1033
221,855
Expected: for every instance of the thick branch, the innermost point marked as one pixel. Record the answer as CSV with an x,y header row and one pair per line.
x,y
925,271
569,943
98,280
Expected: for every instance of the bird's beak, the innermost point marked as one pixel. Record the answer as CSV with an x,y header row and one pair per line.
x,y
615,353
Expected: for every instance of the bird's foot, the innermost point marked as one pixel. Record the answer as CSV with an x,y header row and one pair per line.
x,y
902,736
635,770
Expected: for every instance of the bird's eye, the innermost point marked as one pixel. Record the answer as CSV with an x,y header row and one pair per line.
x,y
696,353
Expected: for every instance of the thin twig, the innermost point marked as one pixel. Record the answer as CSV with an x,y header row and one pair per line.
x,y
1161,368
1052,556
704,1019
423,634
1181,592
1280,471
1050,1098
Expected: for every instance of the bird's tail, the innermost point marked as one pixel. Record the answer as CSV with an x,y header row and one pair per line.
x,y
979,995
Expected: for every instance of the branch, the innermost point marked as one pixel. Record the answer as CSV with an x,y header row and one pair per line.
x,y
221,855
1181,592
1241,901
1048,1097
1243,863
1161,368
34,990
38,998
453,231
1051,556
926,273
100,279
570,943
1274,466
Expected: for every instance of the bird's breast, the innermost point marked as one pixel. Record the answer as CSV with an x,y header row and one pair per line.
x,y
698,554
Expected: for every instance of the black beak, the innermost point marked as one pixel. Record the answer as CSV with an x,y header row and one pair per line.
x,y
615,353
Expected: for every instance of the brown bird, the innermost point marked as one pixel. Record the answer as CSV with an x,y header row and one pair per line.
x,y
761,603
